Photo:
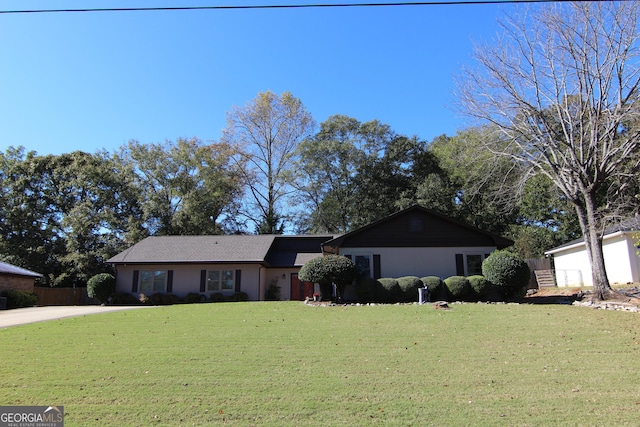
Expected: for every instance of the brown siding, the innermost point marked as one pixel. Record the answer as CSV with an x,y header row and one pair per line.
x,y
418,229
10,281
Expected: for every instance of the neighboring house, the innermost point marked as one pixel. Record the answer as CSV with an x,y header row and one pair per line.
x,y
13,277
216,264
415,241
571,263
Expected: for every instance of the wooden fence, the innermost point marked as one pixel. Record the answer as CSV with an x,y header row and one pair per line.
x,y
537,264
63,296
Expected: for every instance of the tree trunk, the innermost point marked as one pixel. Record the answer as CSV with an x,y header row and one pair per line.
x,y
593,244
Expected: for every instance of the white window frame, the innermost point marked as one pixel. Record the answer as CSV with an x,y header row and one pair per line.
x,y
153,281
220,283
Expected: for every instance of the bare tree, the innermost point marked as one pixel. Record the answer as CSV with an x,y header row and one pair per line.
x,y
561,86
267,130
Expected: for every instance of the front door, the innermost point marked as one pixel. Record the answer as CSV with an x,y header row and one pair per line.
x,y
300,290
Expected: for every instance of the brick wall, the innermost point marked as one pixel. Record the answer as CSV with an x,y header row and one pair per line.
x,y
10,281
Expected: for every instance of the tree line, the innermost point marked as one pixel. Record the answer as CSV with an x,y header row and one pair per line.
x,y
555,155
65,215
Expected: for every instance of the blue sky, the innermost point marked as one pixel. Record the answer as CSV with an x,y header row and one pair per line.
x,y
87,81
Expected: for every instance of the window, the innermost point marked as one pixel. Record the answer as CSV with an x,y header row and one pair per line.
x,y
363,263
220,280
474,264
153,281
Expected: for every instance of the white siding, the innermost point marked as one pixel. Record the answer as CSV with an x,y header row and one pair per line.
x,y
634,257
398,262
570,268
620,258
616,260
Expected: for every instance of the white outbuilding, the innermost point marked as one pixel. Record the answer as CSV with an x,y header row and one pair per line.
x,y
621,257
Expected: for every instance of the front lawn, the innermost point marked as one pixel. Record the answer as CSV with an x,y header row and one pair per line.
x,y
284,363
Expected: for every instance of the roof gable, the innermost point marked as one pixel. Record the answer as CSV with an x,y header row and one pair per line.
x,y
418,227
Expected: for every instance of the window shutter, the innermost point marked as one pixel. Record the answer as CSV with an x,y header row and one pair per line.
x,y
459,265
377,269
238,280
134,285
169,281
203,280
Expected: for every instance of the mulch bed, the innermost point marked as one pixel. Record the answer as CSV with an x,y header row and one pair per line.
x,y
629,300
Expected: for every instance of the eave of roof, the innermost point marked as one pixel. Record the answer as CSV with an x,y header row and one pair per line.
x,y
580,242
7,268
196,249
629,225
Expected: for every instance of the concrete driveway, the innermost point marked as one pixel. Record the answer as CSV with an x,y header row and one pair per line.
x,y
21,316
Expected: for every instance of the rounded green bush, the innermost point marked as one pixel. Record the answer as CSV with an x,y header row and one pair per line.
x,y
216,297
480,286
164,299
329,269
101,287
369,290
194,298
459,287
238,297
409,286
435,286
121,298
509,272
391,290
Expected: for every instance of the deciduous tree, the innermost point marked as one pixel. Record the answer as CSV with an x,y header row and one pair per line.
x,y
267,131
186,187
63,216
561,85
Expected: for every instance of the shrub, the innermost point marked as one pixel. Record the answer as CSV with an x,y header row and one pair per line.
x,y
164,299
479,286
458,287
369,290
19,298
121,298
273,292
508,272
217,297
390,290
239,297
101,287
193,298
435,286
329,269
409,286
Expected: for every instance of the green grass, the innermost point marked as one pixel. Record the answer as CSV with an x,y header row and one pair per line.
x,y
290,364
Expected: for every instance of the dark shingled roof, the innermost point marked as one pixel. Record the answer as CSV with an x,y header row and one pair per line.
x,y
197,249
6,268
292,251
